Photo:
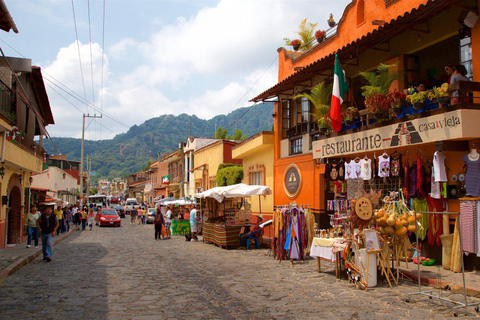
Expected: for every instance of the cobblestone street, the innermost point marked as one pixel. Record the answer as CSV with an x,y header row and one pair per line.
x,y
123,273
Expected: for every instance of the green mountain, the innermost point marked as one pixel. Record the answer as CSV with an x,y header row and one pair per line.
x,y
129,152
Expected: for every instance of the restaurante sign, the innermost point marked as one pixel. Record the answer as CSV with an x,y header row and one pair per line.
x,y
446,126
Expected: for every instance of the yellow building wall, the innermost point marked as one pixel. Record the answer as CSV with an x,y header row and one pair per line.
x,y
212,156
263,157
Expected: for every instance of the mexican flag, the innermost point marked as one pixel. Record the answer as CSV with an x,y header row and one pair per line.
x,y
166,179
340,87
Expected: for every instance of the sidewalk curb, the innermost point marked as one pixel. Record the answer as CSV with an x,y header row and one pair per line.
x,y
445,285
17,265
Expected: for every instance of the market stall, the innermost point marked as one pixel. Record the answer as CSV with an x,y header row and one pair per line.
x,y
226,211
180,225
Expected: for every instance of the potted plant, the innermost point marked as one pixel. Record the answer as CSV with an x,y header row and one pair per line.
x,y
396,100
320,35
417,99
305,32
376,92
319,96
377,104
348,115
296,44
331,21
440,94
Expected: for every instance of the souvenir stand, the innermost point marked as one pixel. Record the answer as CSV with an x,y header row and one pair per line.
x,y
227,211
179,227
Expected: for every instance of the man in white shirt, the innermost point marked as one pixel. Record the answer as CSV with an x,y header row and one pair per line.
x,y
193,223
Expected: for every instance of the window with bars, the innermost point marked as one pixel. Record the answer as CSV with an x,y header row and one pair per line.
x,y
296,146
256,178
285,118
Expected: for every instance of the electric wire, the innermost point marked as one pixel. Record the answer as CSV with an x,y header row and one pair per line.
x,y
72,93
91,57
79,55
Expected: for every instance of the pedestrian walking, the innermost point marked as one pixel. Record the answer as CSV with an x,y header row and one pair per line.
x,y
83,217
91,218
76,218
133,215
32,229
67,217
144,213
139,215
193,223
159,221
59,214
168,222
47,225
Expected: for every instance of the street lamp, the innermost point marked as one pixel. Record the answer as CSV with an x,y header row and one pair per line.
x,y
2,171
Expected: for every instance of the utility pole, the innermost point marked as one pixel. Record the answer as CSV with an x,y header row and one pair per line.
x,y
81,153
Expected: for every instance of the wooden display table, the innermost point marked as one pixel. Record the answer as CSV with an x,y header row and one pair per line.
x,y
327,249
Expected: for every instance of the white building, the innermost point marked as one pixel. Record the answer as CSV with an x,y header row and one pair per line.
x,y
61,186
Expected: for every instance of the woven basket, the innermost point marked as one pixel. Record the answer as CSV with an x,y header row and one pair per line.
x,y
447,242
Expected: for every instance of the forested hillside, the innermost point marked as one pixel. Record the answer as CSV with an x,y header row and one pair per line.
x,y
129,152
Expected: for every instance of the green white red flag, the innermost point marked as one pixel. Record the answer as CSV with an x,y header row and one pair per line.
x,y
340,87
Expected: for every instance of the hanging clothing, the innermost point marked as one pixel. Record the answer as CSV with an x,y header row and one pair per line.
x,y
421,205
384,166
472,177
350,172
341,171
468,212
354,188
435,221
439,166
333,171
396,165
310,226
435,187
358,168
366,169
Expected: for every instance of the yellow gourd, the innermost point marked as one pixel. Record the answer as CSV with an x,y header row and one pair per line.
x,y
412,228
398,224
400,232
389,229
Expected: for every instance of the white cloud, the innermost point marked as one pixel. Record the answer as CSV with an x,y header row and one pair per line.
x,y
199,65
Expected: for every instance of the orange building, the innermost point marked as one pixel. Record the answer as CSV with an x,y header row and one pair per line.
x,y
420,37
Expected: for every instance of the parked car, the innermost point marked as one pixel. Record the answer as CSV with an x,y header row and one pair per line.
x,y
120,211
114,200
150,215
131,205
108,217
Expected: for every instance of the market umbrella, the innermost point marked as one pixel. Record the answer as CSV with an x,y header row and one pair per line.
x,y
164,200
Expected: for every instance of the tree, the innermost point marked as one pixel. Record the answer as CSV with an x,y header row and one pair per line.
x,y
93,191
238,135
221,133
320,98
149,162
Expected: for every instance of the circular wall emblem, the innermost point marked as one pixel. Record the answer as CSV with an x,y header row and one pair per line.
x,y
292,181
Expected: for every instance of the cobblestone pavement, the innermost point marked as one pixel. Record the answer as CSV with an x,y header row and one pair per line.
x,y
123,273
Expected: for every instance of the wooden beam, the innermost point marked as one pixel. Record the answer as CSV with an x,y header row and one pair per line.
x,y
449,145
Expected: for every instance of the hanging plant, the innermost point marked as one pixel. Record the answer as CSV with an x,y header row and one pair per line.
x,y
305,32
296,44
320,35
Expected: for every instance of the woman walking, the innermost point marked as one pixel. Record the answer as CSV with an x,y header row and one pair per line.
x,y
32,229
159,221
91,218
83,217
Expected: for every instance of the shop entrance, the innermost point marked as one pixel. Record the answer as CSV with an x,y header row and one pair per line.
x,y
14,216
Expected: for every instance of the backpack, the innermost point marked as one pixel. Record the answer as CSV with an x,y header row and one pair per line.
x,y
158,219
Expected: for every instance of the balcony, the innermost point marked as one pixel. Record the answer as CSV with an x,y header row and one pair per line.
x,y
432,123
7,104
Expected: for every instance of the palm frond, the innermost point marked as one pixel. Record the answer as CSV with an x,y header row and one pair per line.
x,y
319,96
379,81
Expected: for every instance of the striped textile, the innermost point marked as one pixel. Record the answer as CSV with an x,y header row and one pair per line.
x,y
467,225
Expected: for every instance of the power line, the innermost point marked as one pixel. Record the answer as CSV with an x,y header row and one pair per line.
x,y
91,58
103,51
79,55
276,57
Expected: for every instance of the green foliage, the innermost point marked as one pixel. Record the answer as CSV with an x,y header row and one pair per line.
x,y
149,162
228,174
379,81
221,133
128,152
238,135
93,191
319,96
305,31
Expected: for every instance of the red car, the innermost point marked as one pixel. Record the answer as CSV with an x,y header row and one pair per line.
x,y
108,217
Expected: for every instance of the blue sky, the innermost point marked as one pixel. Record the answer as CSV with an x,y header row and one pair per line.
x,y
161,57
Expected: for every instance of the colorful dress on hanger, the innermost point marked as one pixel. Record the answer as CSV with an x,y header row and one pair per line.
x,y
396,165
435,221
421,205
472,177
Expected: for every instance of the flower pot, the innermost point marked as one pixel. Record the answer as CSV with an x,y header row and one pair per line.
x,y
322,130
348,123
443,100
296,48
419,105
378,116
331,24
320,40
397,110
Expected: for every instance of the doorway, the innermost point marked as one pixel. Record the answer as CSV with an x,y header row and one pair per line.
x,y
14,217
